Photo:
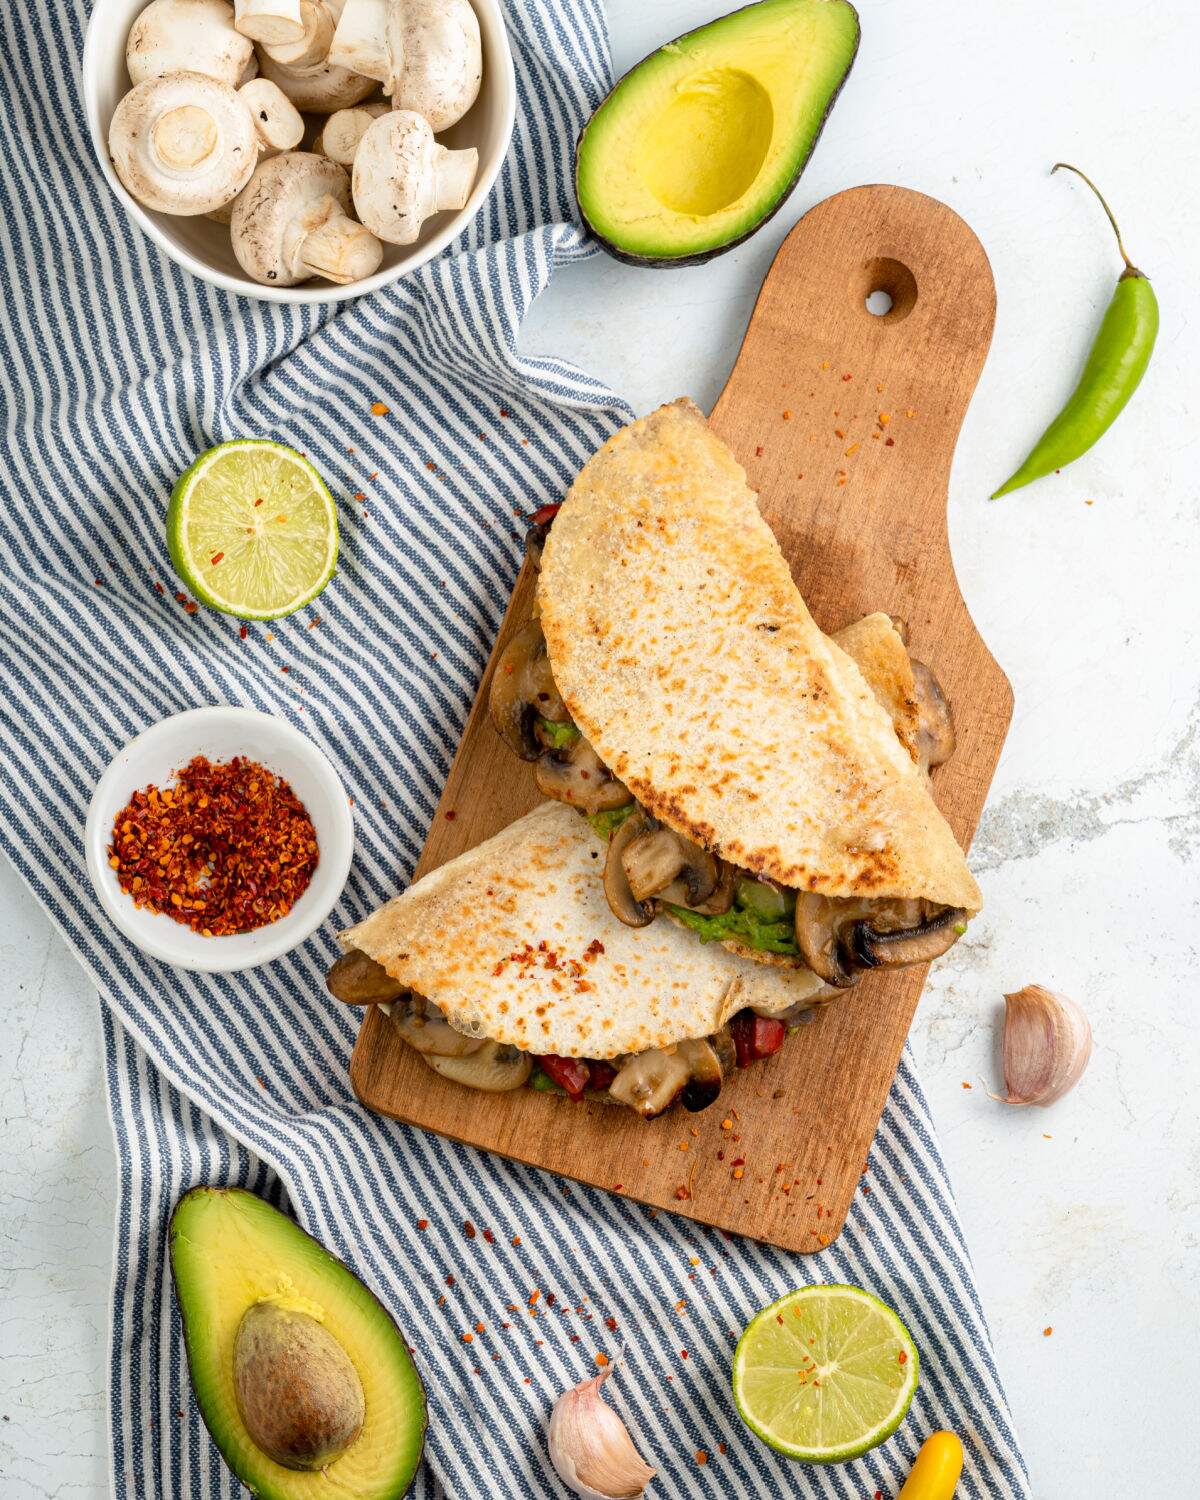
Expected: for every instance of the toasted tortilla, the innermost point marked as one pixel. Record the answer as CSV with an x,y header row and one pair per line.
x,y
684,652
514,941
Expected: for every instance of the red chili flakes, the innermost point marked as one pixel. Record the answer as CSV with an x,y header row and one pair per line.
x,y
966,1085
190,607
468,1229
847,377
243,632
451,815
359,495
422,1224
601,1358
683,1192
468,1338
787,416
889,442
903,1357
379,409
758,452
683,1354
215,559
611,1324
721,1448
158,588
450,1280
701,1456
504,412
1046,1332
489,1237
516,1239
228,848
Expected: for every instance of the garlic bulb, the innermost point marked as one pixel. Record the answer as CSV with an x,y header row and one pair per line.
x,y
590,1449
1047,1044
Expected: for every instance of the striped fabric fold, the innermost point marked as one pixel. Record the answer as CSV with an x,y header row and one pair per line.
x,y
117,368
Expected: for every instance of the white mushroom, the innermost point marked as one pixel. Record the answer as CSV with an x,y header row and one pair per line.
x,y
183,144
344,129
292,222
319,88
272,22
318,21
277,121
426,53
188,36
402,175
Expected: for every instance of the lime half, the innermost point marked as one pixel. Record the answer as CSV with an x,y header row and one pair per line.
x,y
252,529
825,1373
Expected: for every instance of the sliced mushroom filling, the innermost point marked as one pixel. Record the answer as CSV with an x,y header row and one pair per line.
x,y
356,979
839,936
690,1072
574,773
523,691
935,722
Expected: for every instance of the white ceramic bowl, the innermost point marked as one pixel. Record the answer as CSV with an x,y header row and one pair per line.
x,y
203,248
151,759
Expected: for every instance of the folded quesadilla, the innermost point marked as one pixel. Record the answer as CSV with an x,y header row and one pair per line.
x,y
760,783
505,967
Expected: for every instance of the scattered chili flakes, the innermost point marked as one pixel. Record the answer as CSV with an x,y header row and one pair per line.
x,y
359,495
516,1239
847,377
379,409
966,1085
451,815
422,1224
468,1229
601,1358
903,1357
468,1338
243,632
701,1456
611,1324
228,848
787,416
683,1192
489,1237
889,442
1046,1332
158,588
216,558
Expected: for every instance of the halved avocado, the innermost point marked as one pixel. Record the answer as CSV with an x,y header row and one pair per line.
x,y
282,1336
698,145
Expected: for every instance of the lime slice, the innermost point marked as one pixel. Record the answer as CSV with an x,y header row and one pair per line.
x,y
825,1373
252,529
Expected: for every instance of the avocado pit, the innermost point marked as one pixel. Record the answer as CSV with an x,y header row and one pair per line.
x,y
298,1393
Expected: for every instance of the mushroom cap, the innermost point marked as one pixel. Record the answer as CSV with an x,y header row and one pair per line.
x,y
436,58
320,88
183,144
394,176
194,36
289,196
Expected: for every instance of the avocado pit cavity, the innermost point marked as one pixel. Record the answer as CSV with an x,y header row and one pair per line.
x,y
298,1393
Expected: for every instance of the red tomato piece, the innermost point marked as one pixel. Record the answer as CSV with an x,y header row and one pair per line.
x,y
755,1037
570,1073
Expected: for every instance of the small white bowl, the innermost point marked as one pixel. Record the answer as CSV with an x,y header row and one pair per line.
x,y
203,248
151,759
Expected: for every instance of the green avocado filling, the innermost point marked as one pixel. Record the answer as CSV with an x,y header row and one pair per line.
x,y
607,823
557,735
742,923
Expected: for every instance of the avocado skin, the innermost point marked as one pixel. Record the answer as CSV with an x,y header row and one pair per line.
x,y
668,262
278,1489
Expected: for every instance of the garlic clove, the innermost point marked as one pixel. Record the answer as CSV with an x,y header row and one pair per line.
x,y
590,1447
1047,1044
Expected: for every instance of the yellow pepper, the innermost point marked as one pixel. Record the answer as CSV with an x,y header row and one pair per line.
x,y
935,1473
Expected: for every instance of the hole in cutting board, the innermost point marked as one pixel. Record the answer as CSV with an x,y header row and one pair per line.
x,y
885,289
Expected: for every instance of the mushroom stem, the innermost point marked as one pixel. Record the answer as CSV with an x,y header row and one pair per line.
x,y
360,40
341,249
344,129
270,22
313,42
277,122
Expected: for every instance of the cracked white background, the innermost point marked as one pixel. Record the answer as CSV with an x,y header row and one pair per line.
x,y
1089,853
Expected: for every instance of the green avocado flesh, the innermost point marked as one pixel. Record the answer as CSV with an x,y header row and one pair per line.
x,y
313,1332
700,143
742,923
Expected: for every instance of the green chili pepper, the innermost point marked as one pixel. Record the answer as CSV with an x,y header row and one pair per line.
x,y
1114,369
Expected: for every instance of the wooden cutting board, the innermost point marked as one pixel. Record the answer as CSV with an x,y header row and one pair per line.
x,y
846,423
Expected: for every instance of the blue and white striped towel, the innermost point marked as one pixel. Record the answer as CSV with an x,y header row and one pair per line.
x,y
117,368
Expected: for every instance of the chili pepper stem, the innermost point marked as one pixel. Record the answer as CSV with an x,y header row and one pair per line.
x,y
1130,268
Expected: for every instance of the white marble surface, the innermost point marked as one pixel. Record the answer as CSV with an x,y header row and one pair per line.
x,y
1090,851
